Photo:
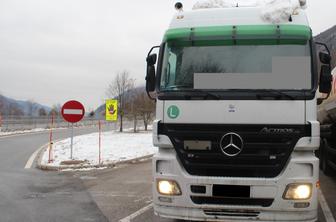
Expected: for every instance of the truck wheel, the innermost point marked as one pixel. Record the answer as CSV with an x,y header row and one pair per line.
x,y
327,170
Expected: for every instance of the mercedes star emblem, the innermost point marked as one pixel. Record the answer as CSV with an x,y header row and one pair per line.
x,y
231,144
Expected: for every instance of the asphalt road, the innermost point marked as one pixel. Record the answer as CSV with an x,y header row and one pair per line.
x,y
31,195
122,192
114,194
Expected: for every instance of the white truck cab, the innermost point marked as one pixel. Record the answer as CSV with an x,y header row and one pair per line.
x,y
236,122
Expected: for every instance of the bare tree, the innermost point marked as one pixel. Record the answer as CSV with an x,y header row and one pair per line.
x,y
42,112
121,88
14,110
144,107
55,110
132,107
9,108
2,105
31,107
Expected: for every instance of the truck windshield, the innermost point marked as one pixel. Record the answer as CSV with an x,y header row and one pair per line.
x,y
269,67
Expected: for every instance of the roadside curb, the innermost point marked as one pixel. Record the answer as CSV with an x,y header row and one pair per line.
x,y
45,167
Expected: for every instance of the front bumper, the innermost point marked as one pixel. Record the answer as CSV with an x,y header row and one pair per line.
x,y
302,168
196,214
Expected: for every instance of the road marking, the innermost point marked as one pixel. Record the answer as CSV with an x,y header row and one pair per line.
x,y
33,156
137,213
325,208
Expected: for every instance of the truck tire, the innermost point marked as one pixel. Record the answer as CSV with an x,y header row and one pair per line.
x,y
324,158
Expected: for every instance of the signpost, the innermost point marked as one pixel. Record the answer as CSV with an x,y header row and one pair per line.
x,y
99,126
72,112
111,114
50,138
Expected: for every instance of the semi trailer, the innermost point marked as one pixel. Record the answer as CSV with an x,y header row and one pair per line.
x,y
236,116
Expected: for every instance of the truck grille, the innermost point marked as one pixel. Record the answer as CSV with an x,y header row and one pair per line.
x,y
264,153
232,201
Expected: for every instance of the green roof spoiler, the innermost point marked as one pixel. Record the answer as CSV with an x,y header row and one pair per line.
x,y
243,34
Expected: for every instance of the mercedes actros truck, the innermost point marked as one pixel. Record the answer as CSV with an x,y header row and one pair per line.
x,y
236,117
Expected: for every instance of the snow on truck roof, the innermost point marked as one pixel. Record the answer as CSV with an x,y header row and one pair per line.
x,y
238,23
234,16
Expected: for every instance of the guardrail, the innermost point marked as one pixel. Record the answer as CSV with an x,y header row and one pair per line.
x,y
18,123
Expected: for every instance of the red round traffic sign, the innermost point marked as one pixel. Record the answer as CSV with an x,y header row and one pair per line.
x,y
73,111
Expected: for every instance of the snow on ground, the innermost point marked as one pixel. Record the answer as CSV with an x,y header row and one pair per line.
x,y
23,131
84,169
115,147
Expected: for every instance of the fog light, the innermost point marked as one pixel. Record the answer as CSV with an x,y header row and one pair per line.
x,y
166,199
301,205
168,187
298,191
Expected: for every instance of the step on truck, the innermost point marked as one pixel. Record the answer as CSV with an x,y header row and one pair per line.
x,y
236,116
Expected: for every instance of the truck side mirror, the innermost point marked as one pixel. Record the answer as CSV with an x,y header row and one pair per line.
x,y
151,59
325,58
325,79
150,76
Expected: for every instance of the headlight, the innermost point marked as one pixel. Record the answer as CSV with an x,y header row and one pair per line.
x,y
168,187
298,192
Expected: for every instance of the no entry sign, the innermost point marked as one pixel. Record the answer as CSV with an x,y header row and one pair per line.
x,y
73,111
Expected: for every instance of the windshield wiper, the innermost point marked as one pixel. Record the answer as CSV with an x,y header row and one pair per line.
x,y
211,95
178,87
201,95
276,93
189,93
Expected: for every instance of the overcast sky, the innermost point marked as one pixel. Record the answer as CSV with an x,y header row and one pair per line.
x,y
55,50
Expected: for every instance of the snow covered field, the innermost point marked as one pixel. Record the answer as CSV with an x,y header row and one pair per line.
x,y
115,147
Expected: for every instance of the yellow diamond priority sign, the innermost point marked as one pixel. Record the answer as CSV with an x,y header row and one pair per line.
x,y
111,110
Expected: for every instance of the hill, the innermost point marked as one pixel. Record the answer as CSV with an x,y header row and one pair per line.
x,y
329,37
9,106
